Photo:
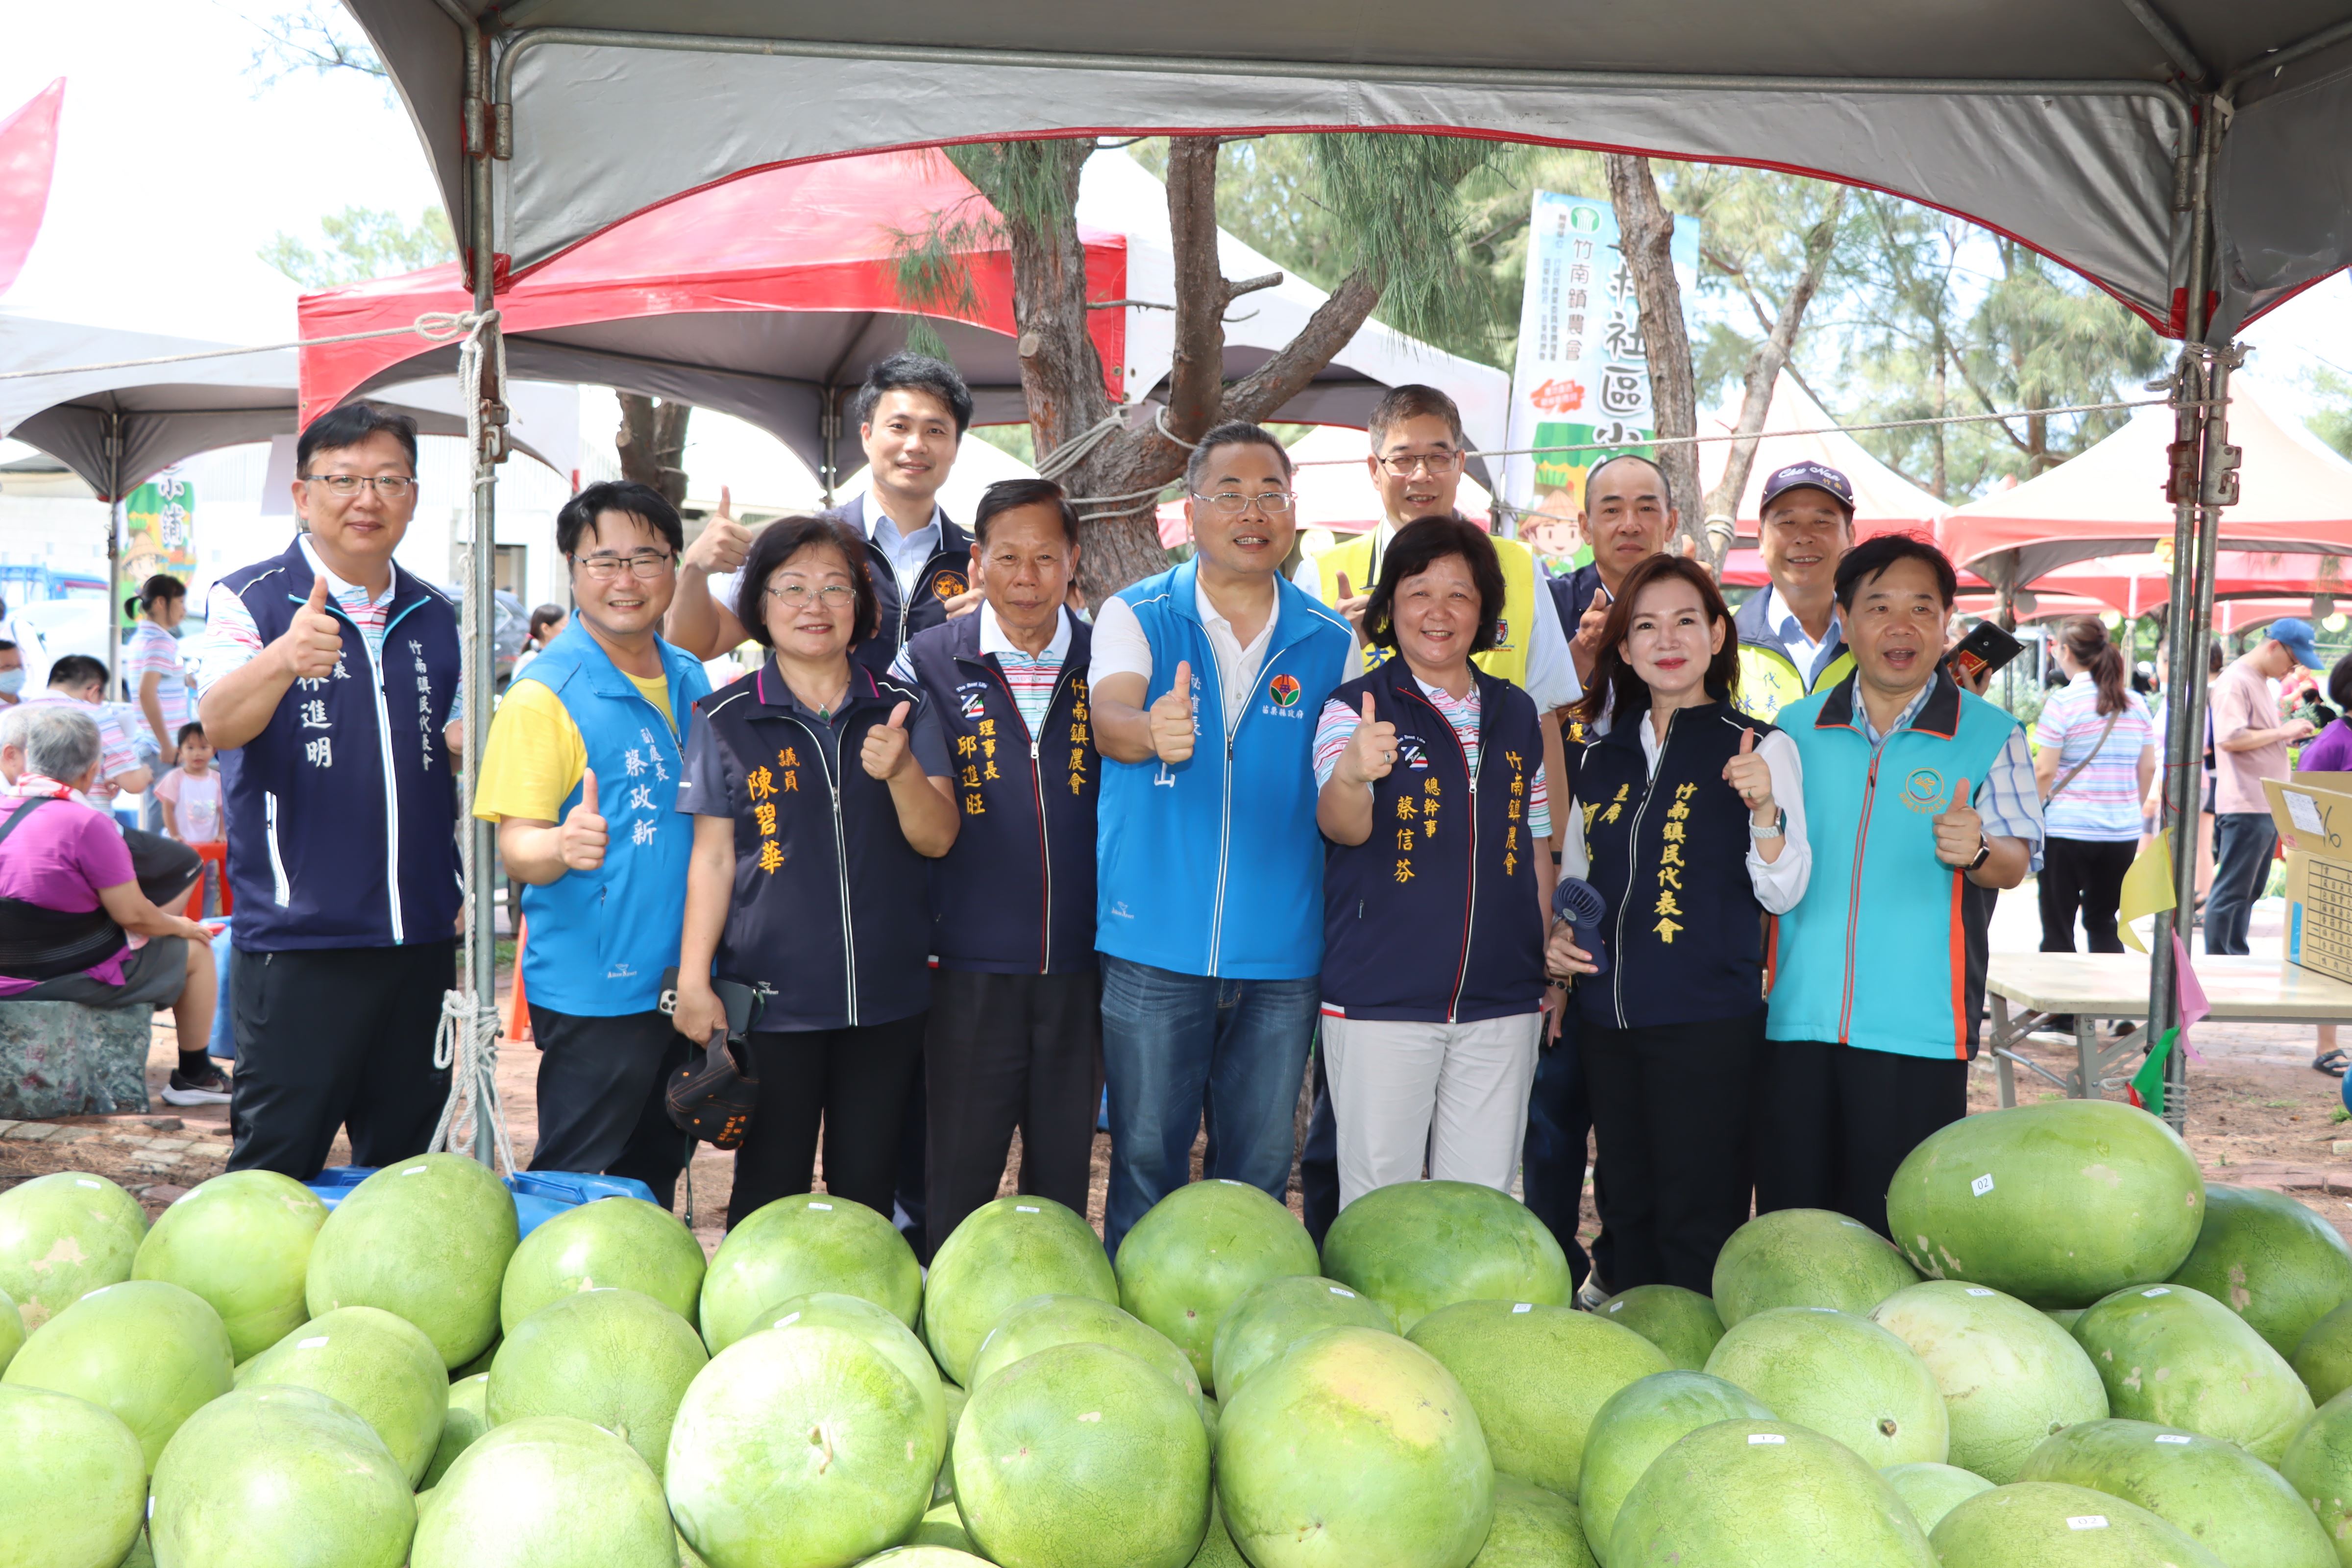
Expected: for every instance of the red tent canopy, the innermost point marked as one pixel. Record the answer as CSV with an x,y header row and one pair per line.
x,y
28,156
759,297
2137,584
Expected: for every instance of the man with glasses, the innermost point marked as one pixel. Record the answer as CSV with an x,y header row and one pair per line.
x,y
327,678
580,773
1206,679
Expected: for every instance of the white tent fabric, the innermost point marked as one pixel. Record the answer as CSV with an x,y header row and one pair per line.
x,y
2064,124
1884,500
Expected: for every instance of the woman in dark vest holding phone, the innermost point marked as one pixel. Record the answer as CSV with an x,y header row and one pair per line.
x,y
1694,827
818,790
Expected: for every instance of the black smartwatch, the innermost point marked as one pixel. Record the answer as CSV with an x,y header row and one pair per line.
x,y
1984,853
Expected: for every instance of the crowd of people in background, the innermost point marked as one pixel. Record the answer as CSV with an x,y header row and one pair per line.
x,y
1487,858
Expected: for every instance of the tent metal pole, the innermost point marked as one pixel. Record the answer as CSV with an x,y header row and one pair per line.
x,y
830,425
117,517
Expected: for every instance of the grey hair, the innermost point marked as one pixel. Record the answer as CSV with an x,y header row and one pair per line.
x,y
58,741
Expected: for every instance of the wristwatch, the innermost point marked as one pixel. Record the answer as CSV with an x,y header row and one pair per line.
x,y
1779,826
1984,853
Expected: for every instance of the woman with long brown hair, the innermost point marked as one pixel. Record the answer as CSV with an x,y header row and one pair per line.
x,y
1693,831
2095,756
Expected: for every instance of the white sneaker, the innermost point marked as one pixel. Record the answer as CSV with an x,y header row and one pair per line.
x,y
207,1088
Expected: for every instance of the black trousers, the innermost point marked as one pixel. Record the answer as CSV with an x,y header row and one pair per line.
x,y
600,1098
1833,1121
852,1082
1672,1105
1552,1159
1003,1051
2086,874
336,1037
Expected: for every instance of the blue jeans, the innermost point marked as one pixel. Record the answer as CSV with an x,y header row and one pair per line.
x,y
1176,1045
2248,841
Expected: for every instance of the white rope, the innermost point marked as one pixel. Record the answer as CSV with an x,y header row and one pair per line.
x,y
1070,453
465,1046
433,326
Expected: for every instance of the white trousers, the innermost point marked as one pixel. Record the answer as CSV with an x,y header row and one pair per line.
x,y
1453,1096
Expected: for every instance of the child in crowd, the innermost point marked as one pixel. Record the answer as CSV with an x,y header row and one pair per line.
x,y
189,795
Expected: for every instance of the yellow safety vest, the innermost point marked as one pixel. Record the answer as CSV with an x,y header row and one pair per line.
x,y
1507,659
1769,679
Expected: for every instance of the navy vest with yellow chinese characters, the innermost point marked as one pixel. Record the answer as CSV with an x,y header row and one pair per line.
x,y
830,918
342,812
1016,894
1435,918
1669,854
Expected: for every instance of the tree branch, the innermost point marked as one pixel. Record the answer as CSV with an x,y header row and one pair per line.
x,y
1645,235
1196,373
1764,365
1257,396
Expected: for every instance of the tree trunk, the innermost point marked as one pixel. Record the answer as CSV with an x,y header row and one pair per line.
x,y
1645,235
652,442
1764,365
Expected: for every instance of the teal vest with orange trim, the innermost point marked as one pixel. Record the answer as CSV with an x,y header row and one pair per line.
x,y
1886,950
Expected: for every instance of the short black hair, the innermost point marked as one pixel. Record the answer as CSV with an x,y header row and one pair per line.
x,y
1232,433
779,543
1011,495
2339,684
75,670
348,427
1665,485
1413,401
1873,556
6,646
1419,545
643,501
188,729
907,371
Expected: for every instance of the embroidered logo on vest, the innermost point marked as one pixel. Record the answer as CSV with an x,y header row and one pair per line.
x,y
1923,792
1284,689
948,584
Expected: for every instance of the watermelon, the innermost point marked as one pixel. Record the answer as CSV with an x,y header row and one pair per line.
x,y
73,1490
924,1557
1270,1318
801,1246
378,1366
1537,1376
880,1328
1199,1250
62,1236
1217,1548
2214,1492
2057,1204
275,1475
1044,1320
242,1242
151,1353
1806,1257
616,1359
2044,1524
1640,1422
623,1242
12,1330
468,1419
802,1445
2318,1464
1357,1448
2010,1376
1930,1491
426,1239
1764,1494
2323,1360
1533,1529
1683,1323
1004,1252
1842,1376
1416,1247
2271,1260
1083,1454
943,1526
2176,1356
549,1491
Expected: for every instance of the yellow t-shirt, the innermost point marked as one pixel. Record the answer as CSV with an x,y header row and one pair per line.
x,y
535,756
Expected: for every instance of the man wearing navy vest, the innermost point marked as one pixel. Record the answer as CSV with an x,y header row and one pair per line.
x,y
1015,1036
1880,982
580,773
1207,680
327,678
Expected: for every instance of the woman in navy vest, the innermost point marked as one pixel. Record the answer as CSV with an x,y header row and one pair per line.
x,y
818,790
1437,879
1693,825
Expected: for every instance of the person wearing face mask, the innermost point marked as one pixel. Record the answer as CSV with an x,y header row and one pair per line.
x,y
1791,642
12,673
1438,881
1692,828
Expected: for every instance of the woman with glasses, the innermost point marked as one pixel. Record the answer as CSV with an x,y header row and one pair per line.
x,y
817,790
580,773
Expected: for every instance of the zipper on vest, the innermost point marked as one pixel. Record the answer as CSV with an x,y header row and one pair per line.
x,y
1634,858
1470,900
391,785
1853,893
841,862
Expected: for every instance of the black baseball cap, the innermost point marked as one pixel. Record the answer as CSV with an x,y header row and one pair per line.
x,y
1802,476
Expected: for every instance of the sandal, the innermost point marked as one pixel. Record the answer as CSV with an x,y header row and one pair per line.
x,y
2332,1063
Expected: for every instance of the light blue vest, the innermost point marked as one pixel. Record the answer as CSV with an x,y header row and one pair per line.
x,y
1886,950
1214,867
600,940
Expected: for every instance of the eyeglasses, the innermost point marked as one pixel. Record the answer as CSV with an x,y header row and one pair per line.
x,y
1436,465
644,565
391,486
796,595
1233,503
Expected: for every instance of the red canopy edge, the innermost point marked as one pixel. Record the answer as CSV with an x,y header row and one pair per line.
x,y
28,160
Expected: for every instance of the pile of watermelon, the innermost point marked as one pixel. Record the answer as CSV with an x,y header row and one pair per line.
x,y
2075,1356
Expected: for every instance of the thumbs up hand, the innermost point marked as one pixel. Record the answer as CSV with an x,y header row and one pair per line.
x,y
582,839
1172,729
1747,774
313,640
1959,831
1372,749
887,750
723,543
1585,646
1351,604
